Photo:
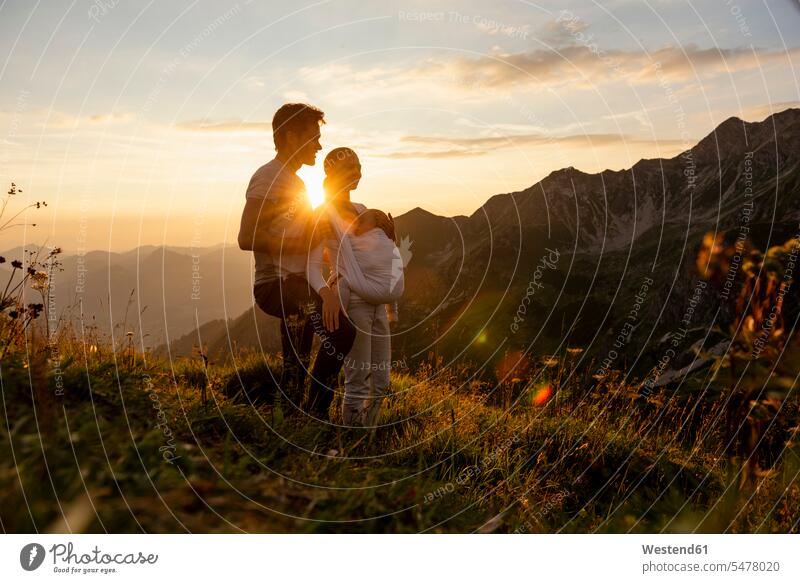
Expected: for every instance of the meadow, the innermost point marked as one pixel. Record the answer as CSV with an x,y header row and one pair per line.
x,y
109,441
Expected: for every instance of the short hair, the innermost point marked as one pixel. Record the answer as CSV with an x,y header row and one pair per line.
x,y
293,117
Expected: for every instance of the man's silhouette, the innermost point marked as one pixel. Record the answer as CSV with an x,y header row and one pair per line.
x,y
277,226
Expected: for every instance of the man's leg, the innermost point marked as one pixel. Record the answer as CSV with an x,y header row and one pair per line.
x,y
293,374
281,300
335,345
305,341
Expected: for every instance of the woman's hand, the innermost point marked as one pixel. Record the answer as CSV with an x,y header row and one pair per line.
x,y
331,306
372,218
391,315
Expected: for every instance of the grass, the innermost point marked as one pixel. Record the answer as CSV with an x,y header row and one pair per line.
x,y
160,447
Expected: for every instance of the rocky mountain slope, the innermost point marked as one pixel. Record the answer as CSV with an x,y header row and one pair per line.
x,y
470,277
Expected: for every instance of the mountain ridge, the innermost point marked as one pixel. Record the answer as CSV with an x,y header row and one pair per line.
x,y
611,229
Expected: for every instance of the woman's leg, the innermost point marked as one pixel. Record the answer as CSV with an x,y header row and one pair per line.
x,y
381,355
357,364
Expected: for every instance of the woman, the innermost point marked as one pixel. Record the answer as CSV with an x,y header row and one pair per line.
x,y
367,272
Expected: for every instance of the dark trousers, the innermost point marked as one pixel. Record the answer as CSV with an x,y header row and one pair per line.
x,y
300,311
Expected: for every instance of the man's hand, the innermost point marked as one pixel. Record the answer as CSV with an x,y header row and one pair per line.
x,y
371,218
330,308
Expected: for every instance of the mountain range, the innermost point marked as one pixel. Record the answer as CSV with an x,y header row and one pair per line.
x,y
563,263
613,231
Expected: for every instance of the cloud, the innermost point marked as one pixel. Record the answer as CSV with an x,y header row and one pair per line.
x,y
53,119
432,154
580,63
589,63
556,33
231,125
452,147
109,118
536,139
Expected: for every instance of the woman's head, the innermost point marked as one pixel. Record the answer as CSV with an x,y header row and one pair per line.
x,y
342,172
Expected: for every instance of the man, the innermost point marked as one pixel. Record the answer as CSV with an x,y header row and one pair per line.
x,y
277,225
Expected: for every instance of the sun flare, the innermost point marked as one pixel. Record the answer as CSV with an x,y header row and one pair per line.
x,y
313,177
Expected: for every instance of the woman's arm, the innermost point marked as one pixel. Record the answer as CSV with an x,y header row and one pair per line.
x,y
314,268
330,299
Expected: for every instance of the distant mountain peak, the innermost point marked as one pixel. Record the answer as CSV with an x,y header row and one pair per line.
x,y
418,211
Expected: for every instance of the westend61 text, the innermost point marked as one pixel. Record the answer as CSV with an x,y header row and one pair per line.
x,y
671,550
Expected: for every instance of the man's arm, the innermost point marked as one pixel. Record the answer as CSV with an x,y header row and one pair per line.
x,y
254,235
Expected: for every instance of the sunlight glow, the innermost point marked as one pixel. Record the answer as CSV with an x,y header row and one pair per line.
x,y
313,176
541,395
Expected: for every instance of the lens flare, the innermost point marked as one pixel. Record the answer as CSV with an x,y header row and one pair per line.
x,y
541,395
313,177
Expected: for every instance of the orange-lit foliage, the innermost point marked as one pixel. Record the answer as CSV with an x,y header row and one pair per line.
x,y
760,356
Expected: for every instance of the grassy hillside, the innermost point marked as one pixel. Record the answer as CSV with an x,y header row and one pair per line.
x,y
105,442
97,436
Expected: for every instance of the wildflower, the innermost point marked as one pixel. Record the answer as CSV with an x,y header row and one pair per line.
x,y
16,264
2,259
39,280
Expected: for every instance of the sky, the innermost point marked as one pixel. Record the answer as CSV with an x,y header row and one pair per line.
x,y
141,122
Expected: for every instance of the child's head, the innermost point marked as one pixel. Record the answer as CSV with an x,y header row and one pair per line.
x,y
342,172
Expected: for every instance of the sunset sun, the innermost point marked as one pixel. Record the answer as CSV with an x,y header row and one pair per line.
x,y
313,177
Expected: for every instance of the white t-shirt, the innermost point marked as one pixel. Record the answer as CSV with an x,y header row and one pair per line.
x,y
276,185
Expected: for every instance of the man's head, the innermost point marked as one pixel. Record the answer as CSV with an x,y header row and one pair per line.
x,y
295,130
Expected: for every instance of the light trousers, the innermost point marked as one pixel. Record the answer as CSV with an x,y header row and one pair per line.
x,y
368,363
